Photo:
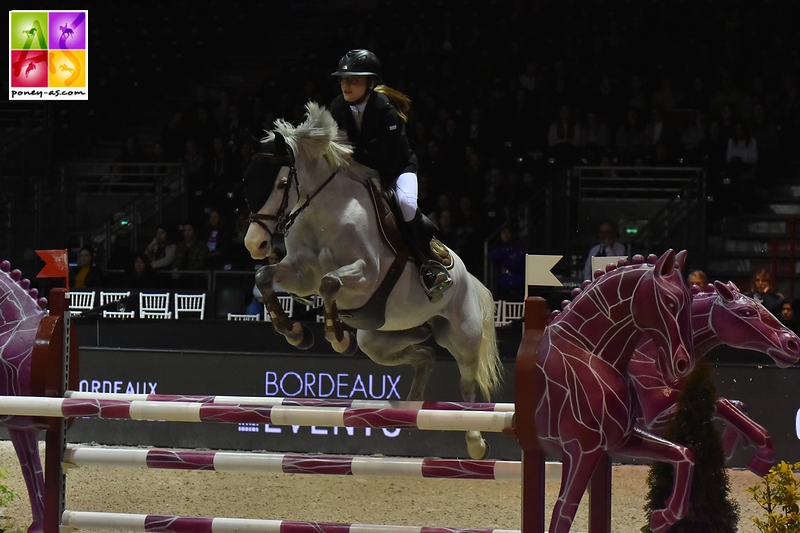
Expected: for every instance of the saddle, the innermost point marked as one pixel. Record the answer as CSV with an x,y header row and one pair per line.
x,y
372,315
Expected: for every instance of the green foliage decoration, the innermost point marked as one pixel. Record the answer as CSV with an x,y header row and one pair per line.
x,y
779,495
7,495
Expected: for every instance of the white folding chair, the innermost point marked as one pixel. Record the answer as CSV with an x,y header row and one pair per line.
x,y
513,311
156,314
108,297
498,313
287,303
118,314
154,305
80,302
242,317
317,303
190,303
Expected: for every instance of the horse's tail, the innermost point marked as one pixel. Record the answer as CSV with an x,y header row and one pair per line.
x,y
489,369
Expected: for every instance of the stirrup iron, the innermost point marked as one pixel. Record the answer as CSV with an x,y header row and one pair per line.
x,y
434,279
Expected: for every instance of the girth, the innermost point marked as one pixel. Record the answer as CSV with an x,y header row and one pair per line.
x,y
372,315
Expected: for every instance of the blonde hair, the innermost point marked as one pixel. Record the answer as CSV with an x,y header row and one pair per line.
x,y
400,101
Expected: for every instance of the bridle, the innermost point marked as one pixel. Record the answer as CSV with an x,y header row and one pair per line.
x,y
284,220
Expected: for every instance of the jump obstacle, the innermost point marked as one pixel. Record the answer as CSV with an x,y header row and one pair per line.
x,y
56,347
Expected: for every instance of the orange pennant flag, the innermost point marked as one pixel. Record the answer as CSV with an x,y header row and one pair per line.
x,y
56,264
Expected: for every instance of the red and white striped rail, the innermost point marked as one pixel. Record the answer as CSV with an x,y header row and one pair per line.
x,y
187,524
287,463
305,402
435,420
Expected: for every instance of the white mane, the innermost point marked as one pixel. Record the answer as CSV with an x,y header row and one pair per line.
x,y
319,136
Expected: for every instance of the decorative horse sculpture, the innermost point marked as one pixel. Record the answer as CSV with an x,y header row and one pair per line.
x,y
21,311
585,406
321,201
720,315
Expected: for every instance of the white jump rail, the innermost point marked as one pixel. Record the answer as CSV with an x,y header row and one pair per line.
x,y
289,463
75,520
432,420
307,402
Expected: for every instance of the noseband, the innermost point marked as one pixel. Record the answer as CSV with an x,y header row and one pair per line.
x,y
284,220
280,217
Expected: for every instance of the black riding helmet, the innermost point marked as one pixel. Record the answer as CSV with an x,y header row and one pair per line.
x,y
359,62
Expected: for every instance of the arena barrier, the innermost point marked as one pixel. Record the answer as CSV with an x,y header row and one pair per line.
x,y
513,419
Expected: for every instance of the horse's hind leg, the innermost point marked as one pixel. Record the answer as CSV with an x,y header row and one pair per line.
x,y
466,350
27,448
422,359
477,447
393,348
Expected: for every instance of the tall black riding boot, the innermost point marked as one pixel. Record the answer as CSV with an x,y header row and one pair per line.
x,y
433,274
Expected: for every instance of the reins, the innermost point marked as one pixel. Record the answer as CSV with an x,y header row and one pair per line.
x,y
296,212
285,221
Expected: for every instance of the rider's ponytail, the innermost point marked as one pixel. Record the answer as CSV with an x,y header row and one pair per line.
x,y
400,101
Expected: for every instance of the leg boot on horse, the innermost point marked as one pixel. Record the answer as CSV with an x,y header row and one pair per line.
x,y
433,274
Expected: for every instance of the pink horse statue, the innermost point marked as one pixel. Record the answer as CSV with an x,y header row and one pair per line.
x,y
720,315
21,311
585,406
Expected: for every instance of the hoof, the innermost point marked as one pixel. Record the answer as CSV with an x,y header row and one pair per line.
x,y
659,521
308,338
759,465
352,347
477,447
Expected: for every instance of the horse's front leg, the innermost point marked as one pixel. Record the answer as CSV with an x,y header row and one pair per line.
x,y
642,445
353,278
739,426
296,333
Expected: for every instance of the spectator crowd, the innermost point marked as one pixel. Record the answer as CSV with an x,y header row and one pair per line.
x,y
507,95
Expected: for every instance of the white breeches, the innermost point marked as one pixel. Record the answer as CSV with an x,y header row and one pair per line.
x,y
407,191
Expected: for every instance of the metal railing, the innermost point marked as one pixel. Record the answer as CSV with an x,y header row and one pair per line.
x,y
121,199
633,182
555,221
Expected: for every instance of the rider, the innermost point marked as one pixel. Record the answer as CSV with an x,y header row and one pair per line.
x,y
373,117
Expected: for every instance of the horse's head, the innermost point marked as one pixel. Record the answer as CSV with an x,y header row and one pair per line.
x,y
289,163
662,308
742,322
268,192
